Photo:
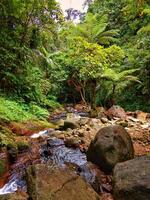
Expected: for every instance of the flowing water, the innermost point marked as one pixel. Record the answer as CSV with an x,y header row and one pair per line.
x,y
55,151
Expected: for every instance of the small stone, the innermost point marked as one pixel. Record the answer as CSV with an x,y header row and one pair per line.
x,y
83,121
72,142
122,123
104,120
69,124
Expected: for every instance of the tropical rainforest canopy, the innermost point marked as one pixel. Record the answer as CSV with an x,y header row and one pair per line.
x,y
47,59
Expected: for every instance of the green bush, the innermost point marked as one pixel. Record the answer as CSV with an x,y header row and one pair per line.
x,y
52,104
39,112
13,111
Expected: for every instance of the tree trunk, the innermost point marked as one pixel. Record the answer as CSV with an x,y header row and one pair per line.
x,y
93,94
82,97
113,90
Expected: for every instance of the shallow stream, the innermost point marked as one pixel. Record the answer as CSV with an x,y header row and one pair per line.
x,y
54,151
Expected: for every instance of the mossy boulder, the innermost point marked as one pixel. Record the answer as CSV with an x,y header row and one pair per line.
x,y
6,136
2,167
12,152
22,146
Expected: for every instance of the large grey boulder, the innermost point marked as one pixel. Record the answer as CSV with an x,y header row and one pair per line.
x,y
47,182
132,179
112,144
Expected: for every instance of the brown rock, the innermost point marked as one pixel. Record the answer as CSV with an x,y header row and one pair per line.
x,y
104,120
112,144
70,124
122,123
141,116
132,179
116,111
72,142
50,183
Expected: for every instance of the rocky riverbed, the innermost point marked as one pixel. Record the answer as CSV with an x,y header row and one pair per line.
x,y
64,147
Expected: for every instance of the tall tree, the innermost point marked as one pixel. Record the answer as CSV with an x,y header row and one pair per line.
x,y
25,26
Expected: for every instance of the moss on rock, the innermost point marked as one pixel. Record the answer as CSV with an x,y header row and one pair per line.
x,y
2,167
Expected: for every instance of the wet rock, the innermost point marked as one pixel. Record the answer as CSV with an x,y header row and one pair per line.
x,y
69,124
112,144
132,179
116,111
12,152
47,182
97,178
72,142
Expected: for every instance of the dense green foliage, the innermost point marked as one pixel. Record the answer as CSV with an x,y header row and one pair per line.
x,y
132,18
44,58
26,27
15,111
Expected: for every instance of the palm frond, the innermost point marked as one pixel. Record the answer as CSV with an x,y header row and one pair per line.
x,y
126,73
106,40
111,33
